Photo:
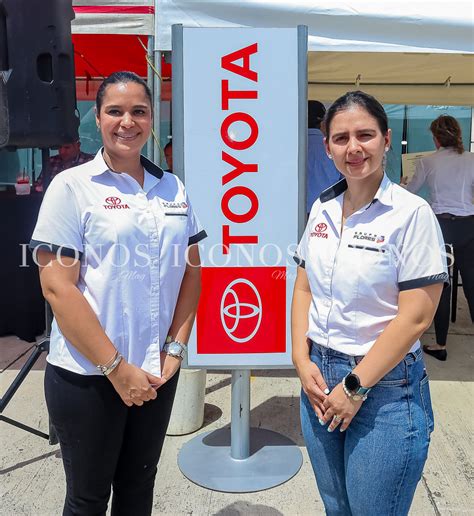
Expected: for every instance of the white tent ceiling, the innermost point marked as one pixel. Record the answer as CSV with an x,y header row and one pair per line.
x,y
392,50
343,25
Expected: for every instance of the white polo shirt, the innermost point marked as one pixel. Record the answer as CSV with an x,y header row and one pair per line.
x,y
392,244
131,242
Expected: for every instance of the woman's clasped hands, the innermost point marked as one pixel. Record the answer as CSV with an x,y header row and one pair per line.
x,y
134,385
332,407
339,409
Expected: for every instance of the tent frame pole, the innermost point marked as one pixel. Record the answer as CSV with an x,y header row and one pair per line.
x,y
150,150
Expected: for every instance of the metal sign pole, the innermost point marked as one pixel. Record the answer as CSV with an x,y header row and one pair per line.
x,y
240,459
240,415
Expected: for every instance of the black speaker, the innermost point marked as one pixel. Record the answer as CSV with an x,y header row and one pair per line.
x,y
37,83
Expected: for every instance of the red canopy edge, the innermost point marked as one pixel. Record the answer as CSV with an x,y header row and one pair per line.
x,y
114,9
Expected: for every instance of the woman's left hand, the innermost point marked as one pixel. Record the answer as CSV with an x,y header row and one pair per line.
x,y
169,366
339,405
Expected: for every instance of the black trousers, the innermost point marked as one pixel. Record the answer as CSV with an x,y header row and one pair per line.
x,y
459,233
106,444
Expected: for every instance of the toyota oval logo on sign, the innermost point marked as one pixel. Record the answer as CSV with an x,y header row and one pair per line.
x,y
241,310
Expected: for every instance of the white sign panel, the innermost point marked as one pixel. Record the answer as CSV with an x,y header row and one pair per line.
x,y
241,152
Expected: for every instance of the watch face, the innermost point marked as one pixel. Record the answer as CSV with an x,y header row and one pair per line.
x,y
175,349
352,382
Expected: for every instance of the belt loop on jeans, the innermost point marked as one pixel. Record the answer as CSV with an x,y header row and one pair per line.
x,y
413,356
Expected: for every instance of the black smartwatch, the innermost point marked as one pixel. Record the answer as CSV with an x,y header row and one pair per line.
x,y
353,388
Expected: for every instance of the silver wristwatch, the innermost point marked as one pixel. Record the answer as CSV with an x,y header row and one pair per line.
x,y
175,349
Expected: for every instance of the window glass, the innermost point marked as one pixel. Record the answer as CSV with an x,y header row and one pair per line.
x,y
12,163
419,136
395,114
419,120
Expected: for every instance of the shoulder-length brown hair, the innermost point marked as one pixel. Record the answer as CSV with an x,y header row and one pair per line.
x,y
447,131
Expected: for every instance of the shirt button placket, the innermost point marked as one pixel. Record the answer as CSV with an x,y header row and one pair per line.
x,y
153,236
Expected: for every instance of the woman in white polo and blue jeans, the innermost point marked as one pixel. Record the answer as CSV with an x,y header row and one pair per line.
x,y
114,241
369,281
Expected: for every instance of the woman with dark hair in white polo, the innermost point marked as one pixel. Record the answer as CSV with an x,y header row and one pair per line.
x,y
114,241
364,294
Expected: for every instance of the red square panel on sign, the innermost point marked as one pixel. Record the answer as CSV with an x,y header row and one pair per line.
x,y
242,310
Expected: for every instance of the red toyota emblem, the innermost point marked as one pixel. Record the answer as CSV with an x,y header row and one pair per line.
x,y
321,227
236,313
242,310
113,200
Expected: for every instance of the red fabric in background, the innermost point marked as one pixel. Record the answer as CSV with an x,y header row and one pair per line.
x,y
101,54
115,9
98,55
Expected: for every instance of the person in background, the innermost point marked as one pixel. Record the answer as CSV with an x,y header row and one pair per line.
x,y
321,172
168,152
69,155
449,176
369,280
115,243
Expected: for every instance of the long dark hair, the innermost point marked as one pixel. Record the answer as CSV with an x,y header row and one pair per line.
x,y
120,77
357,98
447,131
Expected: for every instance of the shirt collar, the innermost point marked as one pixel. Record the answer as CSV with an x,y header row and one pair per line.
x,y
98,165
383,194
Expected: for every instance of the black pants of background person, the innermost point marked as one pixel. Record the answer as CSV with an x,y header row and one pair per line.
x,y
458,232
104,443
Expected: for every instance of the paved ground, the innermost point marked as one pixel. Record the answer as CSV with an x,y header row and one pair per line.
x,y
32,480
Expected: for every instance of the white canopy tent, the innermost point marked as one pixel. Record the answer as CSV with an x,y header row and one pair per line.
x,y
117,17
408,52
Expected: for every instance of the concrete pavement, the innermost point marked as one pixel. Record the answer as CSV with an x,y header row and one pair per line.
x,y
32,478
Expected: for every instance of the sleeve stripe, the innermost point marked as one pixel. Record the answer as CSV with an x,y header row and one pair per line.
x,y
197,238
53,248
423,282
299,261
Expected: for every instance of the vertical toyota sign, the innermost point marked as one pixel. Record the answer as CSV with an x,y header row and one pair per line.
x,y
239,137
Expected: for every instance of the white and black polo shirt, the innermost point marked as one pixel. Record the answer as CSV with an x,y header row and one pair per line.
x,y
132,244
392,244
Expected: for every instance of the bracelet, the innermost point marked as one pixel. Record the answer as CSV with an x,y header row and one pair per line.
x,y
115,363
106,369
111,360
170,339
359,395
346,391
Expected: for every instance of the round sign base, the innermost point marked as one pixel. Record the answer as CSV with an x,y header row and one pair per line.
x,y
206,460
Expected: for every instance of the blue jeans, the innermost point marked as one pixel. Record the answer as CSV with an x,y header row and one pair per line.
x,y
374,466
